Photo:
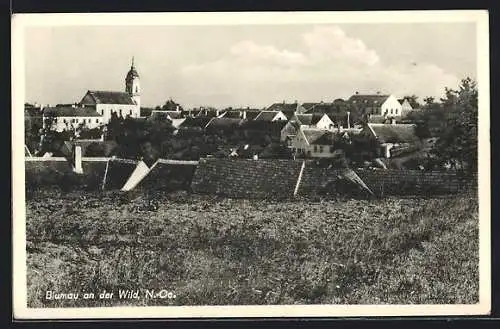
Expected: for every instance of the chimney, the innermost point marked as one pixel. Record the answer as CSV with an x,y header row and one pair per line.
x,y
378,92
283,101
357,93
348,120
177,107
244,116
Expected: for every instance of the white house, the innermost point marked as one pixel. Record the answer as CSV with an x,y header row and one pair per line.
x,y
377,104
61,118
127,103
271,116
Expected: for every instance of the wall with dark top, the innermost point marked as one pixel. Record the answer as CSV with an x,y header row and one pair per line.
x,y
59,173
246,178
263,178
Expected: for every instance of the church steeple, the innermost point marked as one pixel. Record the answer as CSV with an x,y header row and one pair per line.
x,y
132,85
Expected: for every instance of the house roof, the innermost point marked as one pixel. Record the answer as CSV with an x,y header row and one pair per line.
x,y
199,122
311,135
146,111
233,114
394,133
222,123
266,115
111,97
68,111
369,100
309,119
325,139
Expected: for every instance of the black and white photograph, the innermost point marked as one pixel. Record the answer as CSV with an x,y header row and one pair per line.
x,y
284,164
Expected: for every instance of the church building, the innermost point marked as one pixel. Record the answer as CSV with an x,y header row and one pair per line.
x,y
123,103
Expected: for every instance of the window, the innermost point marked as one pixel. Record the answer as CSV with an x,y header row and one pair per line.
x,y
64,120
96,120
120,112
55,120
331,149
391,111
136,89
315,148
321,148
130,112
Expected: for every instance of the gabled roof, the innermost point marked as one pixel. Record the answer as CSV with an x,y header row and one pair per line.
x,y
68,111
223,123
231,114
197,122
325,139
266,115
308,118
111,97
394,133
311,135
368,100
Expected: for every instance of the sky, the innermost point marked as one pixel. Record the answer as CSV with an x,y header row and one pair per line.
x,y
248,65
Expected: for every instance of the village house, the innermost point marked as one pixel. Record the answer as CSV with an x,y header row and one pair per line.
x,y
271,116
390,137
314,143
62,118
127,103
319,121
376,104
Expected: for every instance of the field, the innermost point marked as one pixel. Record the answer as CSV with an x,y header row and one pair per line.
x,y
217,251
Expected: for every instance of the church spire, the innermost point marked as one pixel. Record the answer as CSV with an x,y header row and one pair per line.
x,y
132,62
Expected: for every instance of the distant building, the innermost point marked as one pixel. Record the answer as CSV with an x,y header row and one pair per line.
x,y
127,103
377,104
62,118
314,143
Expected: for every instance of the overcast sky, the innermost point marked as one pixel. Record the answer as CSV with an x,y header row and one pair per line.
x,y
248,65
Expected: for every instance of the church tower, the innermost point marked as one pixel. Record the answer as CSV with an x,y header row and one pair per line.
x,y
132,85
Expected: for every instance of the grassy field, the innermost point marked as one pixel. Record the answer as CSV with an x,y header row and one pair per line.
x,y
215,251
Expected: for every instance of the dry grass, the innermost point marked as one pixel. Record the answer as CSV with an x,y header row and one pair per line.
x,y
214,251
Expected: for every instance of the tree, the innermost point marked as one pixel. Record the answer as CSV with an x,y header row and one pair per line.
x,y
413,100
457,143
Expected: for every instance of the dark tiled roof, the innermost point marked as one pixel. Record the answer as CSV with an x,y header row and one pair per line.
x,y
232,114
69,111
395,133
309,119
111,97
372,100
252,115
326,139
266,115
247,178
222,123
312,135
